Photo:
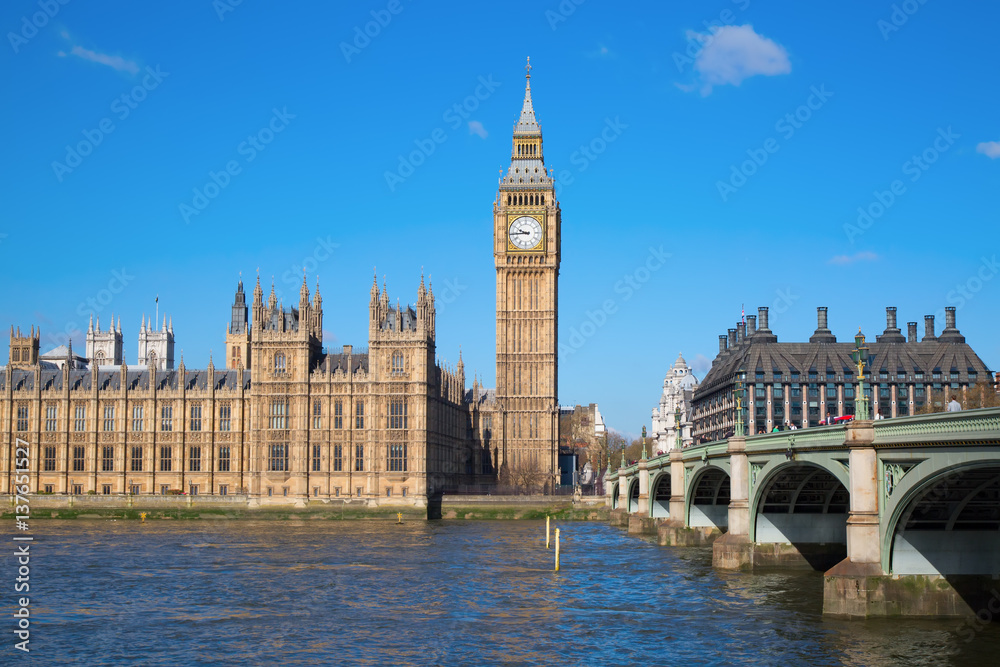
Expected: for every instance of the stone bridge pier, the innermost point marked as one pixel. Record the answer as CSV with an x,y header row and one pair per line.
x,y
902,515
735,549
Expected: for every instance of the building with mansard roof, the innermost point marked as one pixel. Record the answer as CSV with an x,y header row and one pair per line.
x,y
812,383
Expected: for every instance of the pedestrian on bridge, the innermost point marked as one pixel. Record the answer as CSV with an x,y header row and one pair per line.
x,y
954,405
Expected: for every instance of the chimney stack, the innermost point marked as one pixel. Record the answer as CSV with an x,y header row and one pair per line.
x,y
723,340
741,332
929,328
751,325
762,318
911,332
822,333
949,317
951,333
732,338
892,334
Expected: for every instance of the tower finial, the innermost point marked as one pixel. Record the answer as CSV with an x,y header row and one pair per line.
x,y
527,69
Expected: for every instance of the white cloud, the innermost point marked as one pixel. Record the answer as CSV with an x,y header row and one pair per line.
x,y
601,52
114,62
475,127
731,54
701,365
863,256
990,149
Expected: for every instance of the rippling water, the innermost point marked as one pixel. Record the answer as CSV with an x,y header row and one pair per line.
x,y
456,593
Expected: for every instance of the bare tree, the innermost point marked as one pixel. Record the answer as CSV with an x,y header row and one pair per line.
x,y
521,478
616,442
982,395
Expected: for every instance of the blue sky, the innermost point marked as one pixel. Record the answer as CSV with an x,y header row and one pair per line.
x,y
739,138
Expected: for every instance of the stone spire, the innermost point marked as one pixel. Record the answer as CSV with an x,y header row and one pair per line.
x,y
527,166
258,293
527,124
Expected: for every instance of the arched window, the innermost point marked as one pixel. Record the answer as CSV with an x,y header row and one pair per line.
x,y
279,362
397,362
100,358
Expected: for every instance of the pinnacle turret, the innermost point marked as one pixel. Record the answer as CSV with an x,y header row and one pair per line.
x,y
527,164
304,290
258,293
527,123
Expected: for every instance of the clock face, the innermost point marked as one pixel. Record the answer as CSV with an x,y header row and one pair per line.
x,y
525,232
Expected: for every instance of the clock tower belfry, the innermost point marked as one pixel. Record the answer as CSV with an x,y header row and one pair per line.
x,y
526,239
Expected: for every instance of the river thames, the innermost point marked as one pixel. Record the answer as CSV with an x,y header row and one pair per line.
x,y
440,593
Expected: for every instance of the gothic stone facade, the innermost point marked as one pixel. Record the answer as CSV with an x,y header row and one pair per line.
x,y
388,423
808,383
526,251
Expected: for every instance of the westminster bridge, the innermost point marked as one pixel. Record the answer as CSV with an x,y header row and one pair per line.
x,y
902,515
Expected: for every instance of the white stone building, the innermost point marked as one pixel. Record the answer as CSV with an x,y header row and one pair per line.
x,y
156,347
678,390
105,347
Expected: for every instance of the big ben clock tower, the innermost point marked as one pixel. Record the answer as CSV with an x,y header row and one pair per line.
x,y
526,221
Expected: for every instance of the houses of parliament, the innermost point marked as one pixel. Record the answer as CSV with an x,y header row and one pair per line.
x,y
287,420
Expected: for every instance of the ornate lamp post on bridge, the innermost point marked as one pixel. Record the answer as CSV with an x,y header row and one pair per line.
x,y
678,441
860,356
740,393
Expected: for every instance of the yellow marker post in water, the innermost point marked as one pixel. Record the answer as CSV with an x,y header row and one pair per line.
x,y
142,515
546,532
557,549
399,517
